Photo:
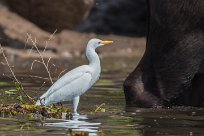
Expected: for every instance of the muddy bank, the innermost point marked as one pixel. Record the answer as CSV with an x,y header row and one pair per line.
x,y
49,15
60,46
14,32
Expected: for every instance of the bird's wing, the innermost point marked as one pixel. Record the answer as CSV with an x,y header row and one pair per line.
x,y
69,91
67,79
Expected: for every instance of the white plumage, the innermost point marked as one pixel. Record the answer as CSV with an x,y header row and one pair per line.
x,y
77,81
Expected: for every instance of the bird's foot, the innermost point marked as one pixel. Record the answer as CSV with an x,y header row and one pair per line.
x,y
43,99
76,114
58,104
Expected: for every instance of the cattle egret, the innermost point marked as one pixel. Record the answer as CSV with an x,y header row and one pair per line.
x,y
77,81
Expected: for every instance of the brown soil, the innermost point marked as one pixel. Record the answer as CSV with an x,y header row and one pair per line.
x,y
66,44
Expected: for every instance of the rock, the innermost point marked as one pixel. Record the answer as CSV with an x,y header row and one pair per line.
x,y
14,29
123,17
52,15
65,44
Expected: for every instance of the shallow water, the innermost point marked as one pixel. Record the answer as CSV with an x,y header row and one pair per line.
x,y
111,120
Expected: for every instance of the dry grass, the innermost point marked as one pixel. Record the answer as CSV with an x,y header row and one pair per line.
x,y
22,91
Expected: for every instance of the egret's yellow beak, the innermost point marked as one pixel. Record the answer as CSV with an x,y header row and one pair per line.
x,y
106,42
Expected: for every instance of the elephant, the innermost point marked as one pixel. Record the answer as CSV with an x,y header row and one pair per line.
x,y
171,71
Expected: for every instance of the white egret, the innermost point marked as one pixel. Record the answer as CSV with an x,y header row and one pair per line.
x,y
77,81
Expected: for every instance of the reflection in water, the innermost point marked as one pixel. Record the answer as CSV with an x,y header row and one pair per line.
x,y
114,121
77,124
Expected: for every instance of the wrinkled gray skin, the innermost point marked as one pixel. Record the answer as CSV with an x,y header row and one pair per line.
x,y
171,72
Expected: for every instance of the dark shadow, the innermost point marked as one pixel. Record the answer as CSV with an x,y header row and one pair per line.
x,y
9,42
122,17
14,43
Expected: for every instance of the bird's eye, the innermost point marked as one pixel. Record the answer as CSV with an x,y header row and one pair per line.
x,y
99,42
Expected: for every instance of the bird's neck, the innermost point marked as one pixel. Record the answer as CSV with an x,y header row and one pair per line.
x,y
93,58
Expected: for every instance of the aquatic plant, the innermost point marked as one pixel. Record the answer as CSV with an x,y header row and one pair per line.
x,y
29,111
26,105
18,84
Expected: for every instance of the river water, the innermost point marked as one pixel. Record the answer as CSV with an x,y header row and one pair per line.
x,y
111,120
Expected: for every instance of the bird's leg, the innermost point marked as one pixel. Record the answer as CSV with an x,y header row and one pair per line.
x,y
75,104
54,105
60,104
41,101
